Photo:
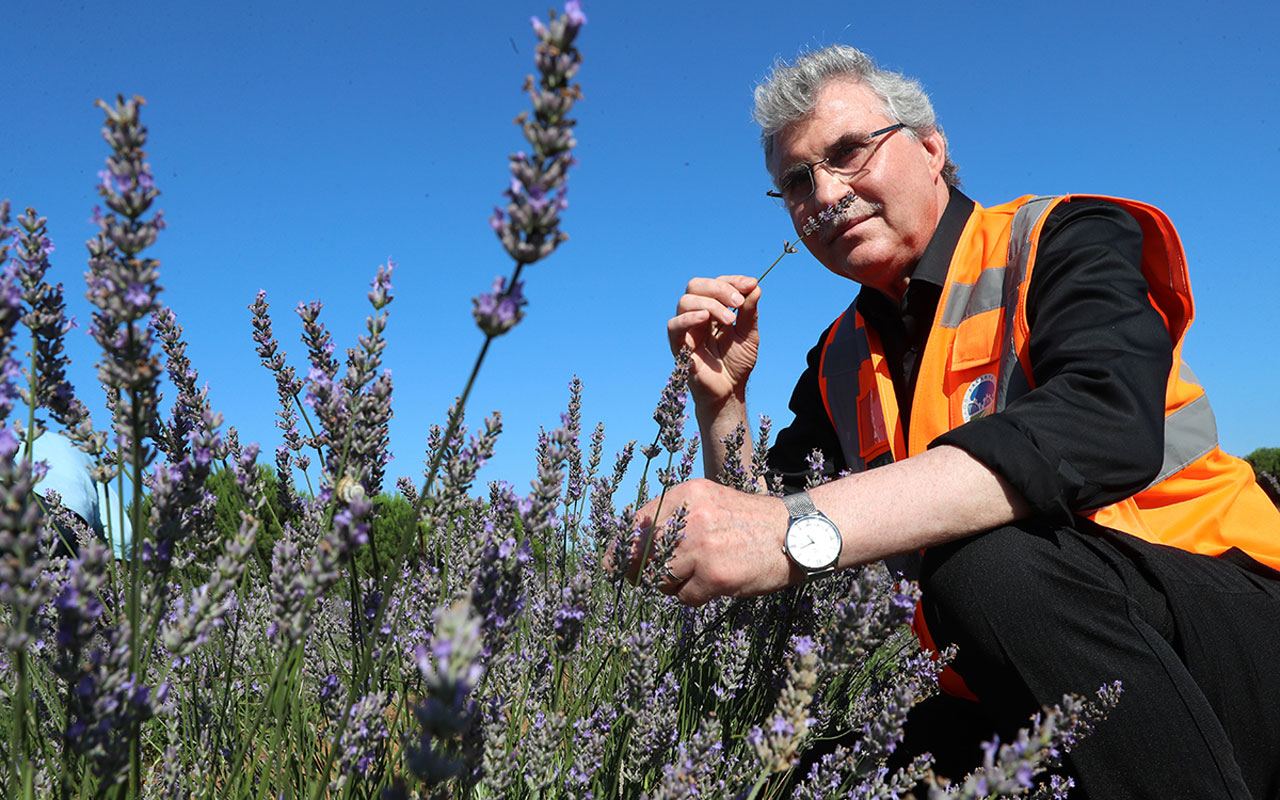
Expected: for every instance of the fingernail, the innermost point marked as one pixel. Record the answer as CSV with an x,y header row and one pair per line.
x,y
737,299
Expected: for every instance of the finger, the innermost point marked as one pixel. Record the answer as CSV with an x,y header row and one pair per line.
x,y
743,283
687,330
747,314
670,582
723,290
642,540
690,594
641,546
715,307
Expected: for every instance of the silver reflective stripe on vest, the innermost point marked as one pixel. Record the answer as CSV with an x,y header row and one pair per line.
x,y
844,357
966,300
1184,372
1024,222
1189,433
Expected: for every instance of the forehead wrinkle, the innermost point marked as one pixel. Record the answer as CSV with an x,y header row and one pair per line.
x,y
839,98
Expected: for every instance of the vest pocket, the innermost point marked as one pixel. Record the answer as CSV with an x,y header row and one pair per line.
x,y
975,365
977,340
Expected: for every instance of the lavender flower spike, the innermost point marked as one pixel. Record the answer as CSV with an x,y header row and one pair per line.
x,y
450,669
529,225
498,311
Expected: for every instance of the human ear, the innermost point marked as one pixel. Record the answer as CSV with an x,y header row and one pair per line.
x,y
935,151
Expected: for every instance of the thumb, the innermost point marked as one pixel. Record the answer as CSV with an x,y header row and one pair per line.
x,y
748,314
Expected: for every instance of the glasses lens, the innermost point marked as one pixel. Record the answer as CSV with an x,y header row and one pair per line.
x,y
797,189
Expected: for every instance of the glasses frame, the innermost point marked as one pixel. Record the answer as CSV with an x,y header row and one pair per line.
x,y
810,167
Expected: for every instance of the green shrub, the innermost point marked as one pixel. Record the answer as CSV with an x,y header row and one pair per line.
x,y
1265,459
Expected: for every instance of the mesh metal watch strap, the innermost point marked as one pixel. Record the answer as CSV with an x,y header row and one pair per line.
x,y
799,504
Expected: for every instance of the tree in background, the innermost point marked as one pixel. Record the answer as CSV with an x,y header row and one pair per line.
x,y
1265,459
1266,465
393,514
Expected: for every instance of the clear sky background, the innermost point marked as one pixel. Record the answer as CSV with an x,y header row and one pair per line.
x,y
298,145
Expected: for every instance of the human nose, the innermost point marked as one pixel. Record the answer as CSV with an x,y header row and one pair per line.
x,y
828,185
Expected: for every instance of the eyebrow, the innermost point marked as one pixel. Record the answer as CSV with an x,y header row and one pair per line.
x,y
850,138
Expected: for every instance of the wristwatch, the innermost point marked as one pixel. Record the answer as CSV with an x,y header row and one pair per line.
x,y
813,542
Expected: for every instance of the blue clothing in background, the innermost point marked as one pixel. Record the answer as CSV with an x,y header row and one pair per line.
x,y
95,503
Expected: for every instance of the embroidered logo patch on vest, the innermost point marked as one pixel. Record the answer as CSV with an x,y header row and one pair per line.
x,y
979,398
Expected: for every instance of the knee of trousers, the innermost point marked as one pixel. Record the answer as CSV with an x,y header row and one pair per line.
x,y
989,591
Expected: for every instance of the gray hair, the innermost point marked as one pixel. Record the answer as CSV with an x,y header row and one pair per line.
x,y
790,93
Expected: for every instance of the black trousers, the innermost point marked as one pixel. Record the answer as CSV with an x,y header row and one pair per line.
x,y
1038,610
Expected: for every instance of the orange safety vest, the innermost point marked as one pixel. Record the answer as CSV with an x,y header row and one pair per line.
x,y
976,361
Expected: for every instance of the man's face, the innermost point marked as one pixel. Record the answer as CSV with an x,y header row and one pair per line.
x,y
901,195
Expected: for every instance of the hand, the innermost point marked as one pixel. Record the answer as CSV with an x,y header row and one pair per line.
x,y
732,545
724,346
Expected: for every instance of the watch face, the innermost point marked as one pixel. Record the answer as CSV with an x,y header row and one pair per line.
x,y
813,542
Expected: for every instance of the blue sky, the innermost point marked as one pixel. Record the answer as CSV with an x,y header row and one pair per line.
x,y
300,145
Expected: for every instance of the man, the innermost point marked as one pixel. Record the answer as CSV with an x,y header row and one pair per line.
x,y
1008,391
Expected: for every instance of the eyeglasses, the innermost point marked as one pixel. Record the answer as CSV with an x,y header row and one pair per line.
x,y
848,157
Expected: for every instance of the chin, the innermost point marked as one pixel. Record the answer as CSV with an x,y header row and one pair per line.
x,y
864,271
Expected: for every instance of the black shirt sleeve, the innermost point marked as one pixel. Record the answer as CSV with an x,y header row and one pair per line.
x,y
810,430
1091,432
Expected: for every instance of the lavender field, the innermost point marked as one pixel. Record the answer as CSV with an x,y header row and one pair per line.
x,y
485,643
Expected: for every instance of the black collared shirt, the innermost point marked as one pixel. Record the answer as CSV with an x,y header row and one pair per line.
x,y
1091,432
904,327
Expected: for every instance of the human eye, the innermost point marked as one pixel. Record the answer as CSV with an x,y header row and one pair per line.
x,y
845,154
795,184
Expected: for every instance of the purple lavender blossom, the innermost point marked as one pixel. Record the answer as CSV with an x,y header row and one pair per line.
x,y
1009,769
553,449
499,311
816,462
10,313
364,739
735,472
450,669
213,599
79,605
498,592
529,226
351,523
826,215
670,414
109,702
24,584
288,388
779,744
46,319
123,286
570,617
317,339
573,14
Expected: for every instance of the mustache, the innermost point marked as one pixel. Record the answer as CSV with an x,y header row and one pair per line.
x,y
851,206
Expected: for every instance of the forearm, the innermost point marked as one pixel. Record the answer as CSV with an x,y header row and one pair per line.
x,y
938,496
718,422
733,542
